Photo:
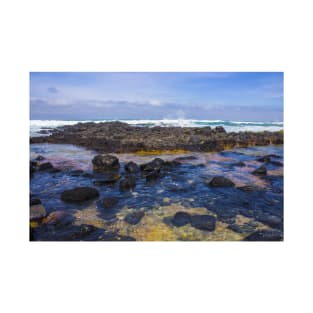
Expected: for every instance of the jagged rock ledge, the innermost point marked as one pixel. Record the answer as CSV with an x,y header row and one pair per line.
x,y
118,137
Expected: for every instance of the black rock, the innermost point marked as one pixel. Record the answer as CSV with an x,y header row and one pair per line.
x,y
109,202
264,159
219,129
40,158
153,176
249,188
185,158
80,194
34,201
277,163
203,222
131,167
128,183
239,164
260,171
265,235
105,162
220,181
180,219
154,165
134,217
47,166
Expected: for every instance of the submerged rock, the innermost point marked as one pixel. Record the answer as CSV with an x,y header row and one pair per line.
x,y
239,164
79,194
58,219
154,165
203,222
109,202
45,166
40,158
131,167
105,162
108,179
134,217
265,235
36,212
128,183
260,171
220,181
181,219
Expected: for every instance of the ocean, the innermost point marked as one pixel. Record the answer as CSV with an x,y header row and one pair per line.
x,y
230,126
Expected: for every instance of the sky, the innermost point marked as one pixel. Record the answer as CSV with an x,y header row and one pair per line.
x,y
235,96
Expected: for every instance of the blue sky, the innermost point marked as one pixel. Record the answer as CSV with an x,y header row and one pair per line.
x,y
245,96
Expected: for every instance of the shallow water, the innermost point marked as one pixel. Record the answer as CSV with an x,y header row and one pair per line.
x,y
182,188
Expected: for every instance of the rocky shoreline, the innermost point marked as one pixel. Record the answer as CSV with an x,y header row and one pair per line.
x,y
118,137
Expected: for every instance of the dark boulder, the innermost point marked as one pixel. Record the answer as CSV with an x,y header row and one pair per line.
x,y
128,183
270,220
131,167
241,229
219,129
105,162
35,201
40,158
264,159
134,217
260,171
59,219
220,181
180,219
265,235
79,194
154,165
47,166
109,202
203,222
152,176
185,158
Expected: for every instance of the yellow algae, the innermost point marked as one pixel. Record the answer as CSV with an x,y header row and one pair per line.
x,y
34,224
158,152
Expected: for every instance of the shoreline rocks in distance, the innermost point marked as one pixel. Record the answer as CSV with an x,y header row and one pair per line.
x,y
118,137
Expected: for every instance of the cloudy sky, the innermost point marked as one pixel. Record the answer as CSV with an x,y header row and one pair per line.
x,y
246,96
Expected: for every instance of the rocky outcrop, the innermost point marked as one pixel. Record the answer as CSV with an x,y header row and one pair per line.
x,y
79,194
220,181
105,162
117,137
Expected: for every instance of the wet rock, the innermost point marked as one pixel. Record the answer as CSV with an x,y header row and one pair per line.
x,y
170,164
36,212
265,235
108,179
131,167
86,229
239,164
134,217
220,181
113,236
203,222
109,202
270,220
185,158
249,188
277,163
35,201
128,183
47,166
152,176
260,171
219,129
40,158
59,219
79,194
241,229
267,158
105,162
180,219
154,165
